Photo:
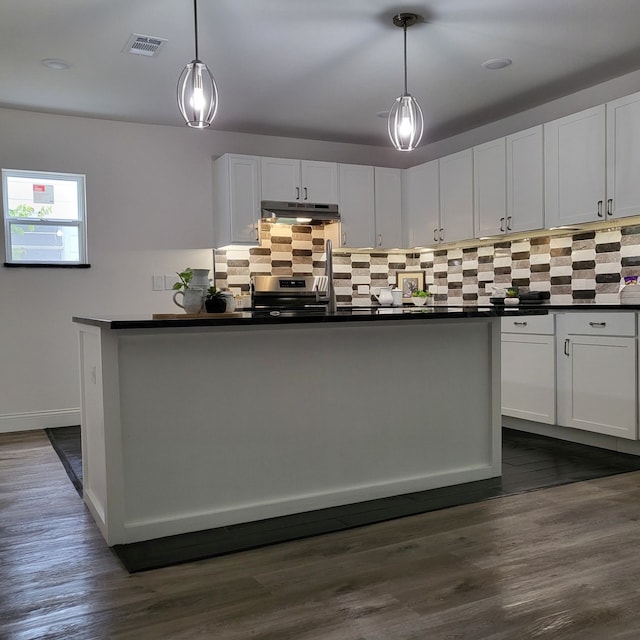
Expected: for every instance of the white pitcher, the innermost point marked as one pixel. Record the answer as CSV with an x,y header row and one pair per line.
x,y
383,295
192,300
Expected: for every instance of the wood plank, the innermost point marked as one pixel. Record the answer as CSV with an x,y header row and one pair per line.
x,y
558,563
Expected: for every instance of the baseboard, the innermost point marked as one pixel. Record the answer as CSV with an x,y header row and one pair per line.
x,y
622,445
34,420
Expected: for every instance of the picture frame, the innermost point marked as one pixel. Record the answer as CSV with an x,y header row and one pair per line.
x,y
409,281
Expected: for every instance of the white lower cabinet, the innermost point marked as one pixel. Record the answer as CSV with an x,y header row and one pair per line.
x,y
597,373
576,369
528,368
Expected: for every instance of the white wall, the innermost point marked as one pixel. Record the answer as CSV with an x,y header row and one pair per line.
x,y
149,201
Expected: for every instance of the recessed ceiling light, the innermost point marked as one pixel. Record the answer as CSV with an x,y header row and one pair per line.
x,y
55,63
496,63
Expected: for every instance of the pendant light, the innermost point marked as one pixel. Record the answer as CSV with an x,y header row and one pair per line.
x,y
405,118
197,91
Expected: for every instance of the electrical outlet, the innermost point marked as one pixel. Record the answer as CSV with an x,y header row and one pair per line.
x,y
158,283
363,289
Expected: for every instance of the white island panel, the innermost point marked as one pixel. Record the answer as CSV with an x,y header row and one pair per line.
x,y
223,425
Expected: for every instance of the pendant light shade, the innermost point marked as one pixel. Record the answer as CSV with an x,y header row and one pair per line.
x,y
405,122
197,91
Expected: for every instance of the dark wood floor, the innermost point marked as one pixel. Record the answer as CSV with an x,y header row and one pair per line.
x,y
529,462
561,563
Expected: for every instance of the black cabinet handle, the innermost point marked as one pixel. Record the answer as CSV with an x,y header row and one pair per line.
x,y
566,347
599,208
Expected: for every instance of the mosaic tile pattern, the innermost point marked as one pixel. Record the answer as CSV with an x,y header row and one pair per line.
x,y
582,267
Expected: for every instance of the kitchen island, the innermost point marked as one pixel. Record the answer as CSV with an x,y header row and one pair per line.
x,y
193,424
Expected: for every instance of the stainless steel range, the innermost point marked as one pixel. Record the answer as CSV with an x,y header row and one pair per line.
x,y
290,295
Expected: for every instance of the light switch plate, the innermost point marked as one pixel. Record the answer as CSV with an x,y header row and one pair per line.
x,y
158,283
169,281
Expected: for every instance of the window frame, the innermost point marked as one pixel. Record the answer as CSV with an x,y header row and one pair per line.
x,y
80,223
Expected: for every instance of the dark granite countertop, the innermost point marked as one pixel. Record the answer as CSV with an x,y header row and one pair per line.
x,y
344,314
590,306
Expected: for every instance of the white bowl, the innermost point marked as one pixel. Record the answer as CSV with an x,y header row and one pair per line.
x,y
418,301
511,302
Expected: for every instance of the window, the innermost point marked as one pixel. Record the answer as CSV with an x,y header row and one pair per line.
x,y
44,218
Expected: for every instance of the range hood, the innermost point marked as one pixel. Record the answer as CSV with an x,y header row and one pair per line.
x,y
299,212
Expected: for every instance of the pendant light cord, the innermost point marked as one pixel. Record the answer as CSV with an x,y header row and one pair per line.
x,y
405,56
195,30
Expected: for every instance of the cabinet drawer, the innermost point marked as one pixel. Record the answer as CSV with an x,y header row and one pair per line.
x,y
600,323
529,324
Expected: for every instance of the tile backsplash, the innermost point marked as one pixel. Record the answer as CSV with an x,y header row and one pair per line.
x,y
580,267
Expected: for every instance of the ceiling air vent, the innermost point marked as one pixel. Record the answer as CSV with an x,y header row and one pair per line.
x,y
144,45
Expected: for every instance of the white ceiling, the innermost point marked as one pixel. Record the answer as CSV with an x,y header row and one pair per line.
x,y
317,69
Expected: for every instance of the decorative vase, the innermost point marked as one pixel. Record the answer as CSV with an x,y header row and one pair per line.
x,y
199,279
192,300
511,302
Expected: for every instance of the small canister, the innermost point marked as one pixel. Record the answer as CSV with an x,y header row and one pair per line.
x,y
230,301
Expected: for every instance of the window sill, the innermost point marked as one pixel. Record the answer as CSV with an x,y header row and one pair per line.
x,y
45,265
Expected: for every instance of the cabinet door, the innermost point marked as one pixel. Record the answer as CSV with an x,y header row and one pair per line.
x,y
421,204
490,188
598,384
456,196
280,179
319,182
388,199
357,205
525,180
244,193
528,377
575,168
236,192
623,157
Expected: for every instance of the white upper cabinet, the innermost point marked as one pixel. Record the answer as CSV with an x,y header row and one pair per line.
x,y
319,181
388,206
575,168
236,194
421,204
623,157
490,188
456,196
525,180
299,180
592,160
357,205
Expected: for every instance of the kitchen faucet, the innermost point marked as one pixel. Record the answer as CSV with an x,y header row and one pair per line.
x,y
331,291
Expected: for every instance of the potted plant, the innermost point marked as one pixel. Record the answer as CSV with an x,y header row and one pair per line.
x,y
185,278
511,297
421,297
215,301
